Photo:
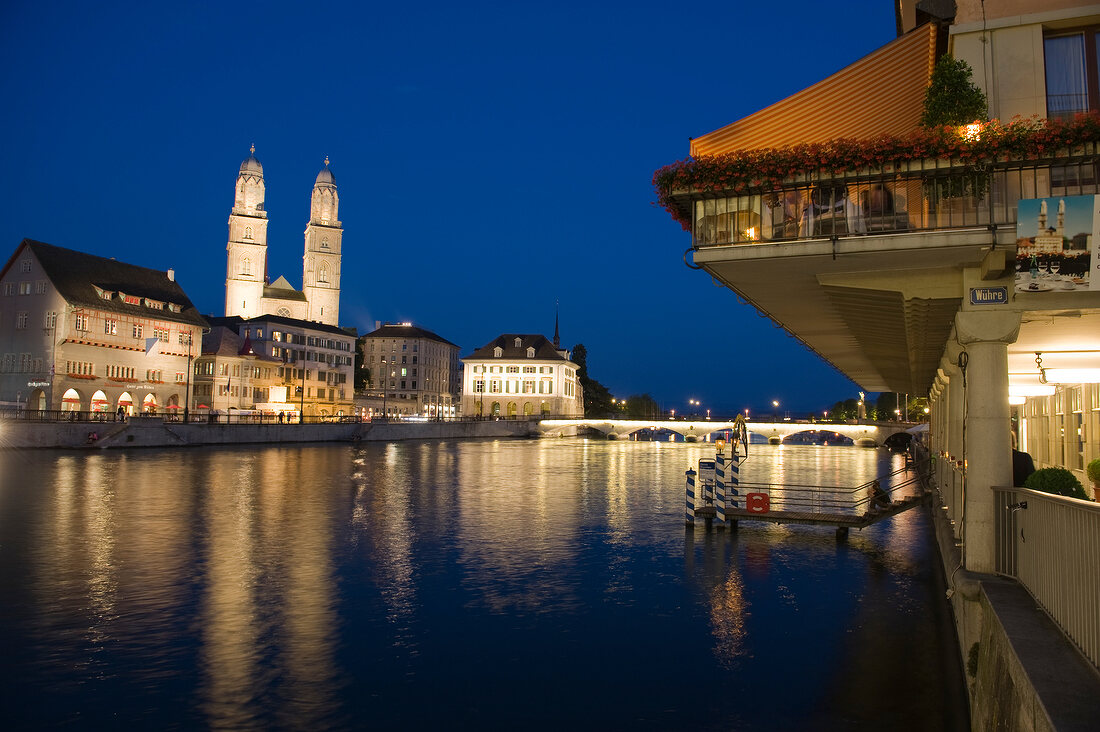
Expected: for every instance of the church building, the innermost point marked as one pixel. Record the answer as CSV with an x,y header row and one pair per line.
x,y
248,292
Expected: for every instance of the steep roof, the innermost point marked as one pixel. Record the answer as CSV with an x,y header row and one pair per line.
x,y
236,322
280,289
544,349
400,330
76,275
224,341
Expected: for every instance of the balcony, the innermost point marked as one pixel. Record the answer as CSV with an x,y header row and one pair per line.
x,y
865,250
914,196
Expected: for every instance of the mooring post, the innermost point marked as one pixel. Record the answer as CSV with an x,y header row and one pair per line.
x,y
690,503
720,485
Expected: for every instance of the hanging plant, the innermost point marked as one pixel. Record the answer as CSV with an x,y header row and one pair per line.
x,y
764,171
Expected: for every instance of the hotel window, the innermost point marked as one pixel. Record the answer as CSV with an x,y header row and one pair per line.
x,y
1071,73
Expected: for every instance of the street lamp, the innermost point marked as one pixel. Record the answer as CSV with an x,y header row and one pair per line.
x,y
775,410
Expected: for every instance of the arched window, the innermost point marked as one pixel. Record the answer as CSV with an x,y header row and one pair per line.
x,y
324,243
322,273
248,232
511,410
246,266
495,411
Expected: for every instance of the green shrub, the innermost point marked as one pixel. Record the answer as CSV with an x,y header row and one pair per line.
x,y
952,97
1092,470
1058,481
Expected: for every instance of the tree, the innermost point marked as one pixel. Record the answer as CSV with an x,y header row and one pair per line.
x,y
597,399
642,406
952,97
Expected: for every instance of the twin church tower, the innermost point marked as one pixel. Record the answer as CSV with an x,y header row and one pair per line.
x,y
247,290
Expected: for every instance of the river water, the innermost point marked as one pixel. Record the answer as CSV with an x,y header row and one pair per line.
x,y
546,584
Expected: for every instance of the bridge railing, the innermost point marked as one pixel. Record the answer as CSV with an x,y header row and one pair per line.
x,y
1050,545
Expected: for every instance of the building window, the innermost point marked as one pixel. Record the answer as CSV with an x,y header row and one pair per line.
x,y
40,287
512,370
21,320
138,331
161,333
185,338
110,327
50,321
248,232
322,273
9,288
81,323
498,352
1071,73
24,288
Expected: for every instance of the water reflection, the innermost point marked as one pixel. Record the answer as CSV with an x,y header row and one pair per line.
x,y
330,586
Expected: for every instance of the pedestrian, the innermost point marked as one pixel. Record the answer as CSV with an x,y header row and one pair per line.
x,y
1022,465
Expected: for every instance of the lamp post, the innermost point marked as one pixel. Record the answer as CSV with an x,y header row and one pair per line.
x,y
775,410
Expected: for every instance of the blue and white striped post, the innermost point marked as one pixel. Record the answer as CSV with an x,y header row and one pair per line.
x,y
690,507
720,488
733,471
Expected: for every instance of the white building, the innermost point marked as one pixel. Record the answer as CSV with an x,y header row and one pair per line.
x,y
248,292
521,375
82,333
413,371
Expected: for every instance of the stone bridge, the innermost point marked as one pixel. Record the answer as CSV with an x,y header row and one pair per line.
x,y
862,433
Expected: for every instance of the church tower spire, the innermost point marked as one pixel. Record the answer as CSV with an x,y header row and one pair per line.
x,y
246,260
321,262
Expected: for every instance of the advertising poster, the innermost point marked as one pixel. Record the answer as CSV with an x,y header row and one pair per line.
x,y
1057,242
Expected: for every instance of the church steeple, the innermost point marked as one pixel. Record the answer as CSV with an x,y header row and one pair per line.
x,y
246,260
557,340
321,261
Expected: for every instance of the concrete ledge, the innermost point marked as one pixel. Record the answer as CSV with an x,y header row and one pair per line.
x,y
1029,676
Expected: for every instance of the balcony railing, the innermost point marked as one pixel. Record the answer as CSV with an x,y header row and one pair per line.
x,y
909,196
1050,544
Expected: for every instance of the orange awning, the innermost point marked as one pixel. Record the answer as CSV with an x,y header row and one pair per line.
x,y
882,93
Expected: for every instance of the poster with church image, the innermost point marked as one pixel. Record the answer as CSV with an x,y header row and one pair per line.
x,y
1057,243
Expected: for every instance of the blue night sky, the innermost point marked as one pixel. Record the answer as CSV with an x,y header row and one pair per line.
x,y
492,159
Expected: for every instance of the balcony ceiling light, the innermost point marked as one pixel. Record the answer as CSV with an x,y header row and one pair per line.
x,y
1065,376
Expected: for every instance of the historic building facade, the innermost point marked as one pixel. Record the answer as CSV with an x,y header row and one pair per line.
x,y
521,375
412,371
248,291
82,333
313,363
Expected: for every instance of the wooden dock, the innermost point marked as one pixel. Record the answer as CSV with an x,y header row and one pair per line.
x,y
842,521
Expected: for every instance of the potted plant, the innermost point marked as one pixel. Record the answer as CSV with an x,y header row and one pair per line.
x,y
953,100
1092,470
1058,481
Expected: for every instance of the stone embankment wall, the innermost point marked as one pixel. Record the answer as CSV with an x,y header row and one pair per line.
x,y
155,432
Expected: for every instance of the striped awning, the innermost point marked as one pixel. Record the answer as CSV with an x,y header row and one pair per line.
x,y
882,93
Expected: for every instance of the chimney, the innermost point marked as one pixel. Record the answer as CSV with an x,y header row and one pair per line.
x,y
172,275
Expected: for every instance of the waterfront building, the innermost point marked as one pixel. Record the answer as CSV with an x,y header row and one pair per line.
x,y
248,292
517,375
81,333
412,371
314,363
231,377
897,259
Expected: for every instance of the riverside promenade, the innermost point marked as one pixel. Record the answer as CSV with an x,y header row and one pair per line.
x,y
17,433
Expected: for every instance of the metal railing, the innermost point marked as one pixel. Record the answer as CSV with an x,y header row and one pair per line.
x,y
906,197
836,499
1051,544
